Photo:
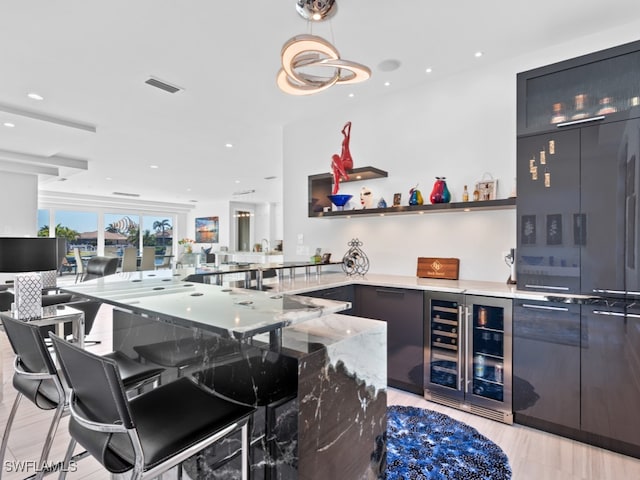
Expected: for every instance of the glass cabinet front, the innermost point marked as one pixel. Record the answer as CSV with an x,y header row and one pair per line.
x,y
602,84
488,351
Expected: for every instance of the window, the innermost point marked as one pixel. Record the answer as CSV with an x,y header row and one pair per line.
x,y
121,230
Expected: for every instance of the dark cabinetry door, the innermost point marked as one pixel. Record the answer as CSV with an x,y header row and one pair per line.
x,y
549,222
403,311
611,377
610,182
345,293
546,365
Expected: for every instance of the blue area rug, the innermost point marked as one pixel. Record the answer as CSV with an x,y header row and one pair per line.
x,y
423,444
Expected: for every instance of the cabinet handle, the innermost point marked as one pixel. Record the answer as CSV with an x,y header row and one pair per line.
x,y
388,290
466,348
615,292
548,287
545,307
608,313
460,348
584,120
616,314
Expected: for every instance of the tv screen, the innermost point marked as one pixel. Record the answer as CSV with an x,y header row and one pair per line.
x,y
22,254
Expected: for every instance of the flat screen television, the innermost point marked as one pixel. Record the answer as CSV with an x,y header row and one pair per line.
x,y
28,254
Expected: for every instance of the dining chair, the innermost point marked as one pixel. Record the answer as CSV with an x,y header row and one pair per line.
x,y
79,264
148,258
130,259
151,433
166,259
36,378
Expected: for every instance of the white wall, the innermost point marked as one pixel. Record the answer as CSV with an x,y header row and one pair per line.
x,y
459,127
18,205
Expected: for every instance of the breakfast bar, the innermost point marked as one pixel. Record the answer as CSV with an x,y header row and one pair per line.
x,y
317,378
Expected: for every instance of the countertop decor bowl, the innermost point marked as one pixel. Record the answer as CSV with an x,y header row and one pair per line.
x,y
339,200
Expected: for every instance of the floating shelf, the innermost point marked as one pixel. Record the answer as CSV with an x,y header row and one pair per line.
x,y
320,186
501,204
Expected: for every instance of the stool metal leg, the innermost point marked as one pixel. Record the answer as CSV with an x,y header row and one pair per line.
x,y
67,459
245,451
5,436
49,441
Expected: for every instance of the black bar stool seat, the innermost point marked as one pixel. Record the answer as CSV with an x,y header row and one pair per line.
x,y
150,433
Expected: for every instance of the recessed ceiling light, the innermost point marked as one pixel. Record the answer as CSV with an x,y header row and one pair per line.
x,y
429,70
351,95
108,178
228,145
35,96
386,84
188,189
478,54
9,124
237,181
154,166
193,201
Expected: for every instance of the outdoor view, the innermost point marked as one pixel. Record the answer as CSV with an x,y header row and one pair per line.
x,y
80,230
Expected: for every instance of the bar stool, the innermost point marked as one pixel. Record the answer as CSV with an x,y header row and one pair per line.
x,y
36,378
150,433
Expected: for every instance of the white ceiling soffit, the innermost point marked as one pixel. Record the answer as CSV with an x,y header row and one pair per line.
x,y
53,160
47,118
33,169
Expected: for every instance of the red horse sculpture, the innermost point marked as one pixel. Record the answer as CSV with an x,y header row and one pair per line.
x,y
340,164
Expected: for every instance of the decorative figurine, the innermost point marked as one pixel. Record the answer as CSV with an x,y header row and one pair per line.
x,y
341,164
355,261
415,197
366,198
382,203
440,192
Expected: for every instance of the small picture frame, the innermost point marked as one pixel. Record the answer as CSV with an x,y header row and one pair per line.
x,y
326,257
554,229
397,198
487,189
528,230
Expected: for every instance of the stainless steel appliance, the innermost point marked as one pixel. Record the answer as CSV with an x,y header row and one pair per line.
x,y
468,353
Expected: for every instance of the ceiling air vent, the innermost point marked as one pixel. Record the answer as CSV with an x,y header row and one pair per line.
x,y
162,85
243,192
123,194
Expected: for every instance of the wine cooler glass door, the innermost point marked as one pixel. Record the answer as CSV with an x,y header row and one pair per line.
x,y
444,372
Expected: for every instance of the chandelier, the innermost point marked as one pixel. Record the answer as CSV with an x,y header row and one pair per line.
x,y
304,54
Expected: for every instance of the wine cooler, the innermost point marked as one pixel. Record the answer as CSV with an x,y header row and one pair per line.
x,y
468,349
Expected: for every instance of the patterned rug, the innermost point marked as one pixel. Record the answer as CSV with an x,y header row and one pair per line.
x,y
423,444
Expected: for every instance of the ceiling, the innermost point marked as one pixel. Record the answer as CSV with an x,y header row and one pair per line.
x,y
89,59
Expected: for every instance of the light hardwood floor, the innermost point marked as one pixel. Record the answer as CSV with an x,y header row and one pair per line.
x,y
533,455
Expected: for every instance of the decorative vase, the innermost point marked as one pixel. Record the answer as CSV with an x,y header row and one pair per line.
x,y
415,197
440,192
188,249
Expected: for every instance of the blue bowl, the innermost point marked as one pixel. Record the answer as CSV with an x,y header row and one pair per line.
x,y
339,200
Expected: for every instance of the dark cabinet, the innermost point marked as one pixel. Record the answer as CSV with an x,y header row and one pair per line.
x,y
546,365
402,309
610,183
549,223
610,377
345,293
599,87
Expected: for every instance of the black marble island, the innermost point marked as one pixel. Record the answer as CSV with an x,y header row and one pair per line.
x,y
317,378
